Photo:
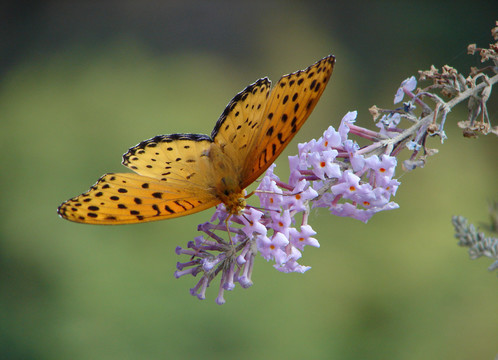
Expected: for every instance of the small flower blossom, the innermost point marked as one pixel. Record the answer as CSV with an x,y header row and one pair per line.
x,y
306,147
300,194
414,146
252,224
349,118
409,84
291,265
271,248
331,139
383,167
390,120
323,164
348,186
281,222
269,194
357,162
303,237
270,174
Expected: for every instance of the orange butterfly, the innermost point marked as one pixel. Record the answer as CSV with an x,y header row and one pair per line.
x,y
182,174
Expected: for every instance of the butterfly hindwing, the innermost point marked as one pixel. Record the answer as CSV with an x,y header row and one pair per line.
x,y
176,159
130,198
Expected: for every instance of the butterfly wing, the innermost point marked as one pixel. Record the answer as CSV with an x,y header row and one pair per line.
x,y
290,103
127,198
177,158
237,126
175,178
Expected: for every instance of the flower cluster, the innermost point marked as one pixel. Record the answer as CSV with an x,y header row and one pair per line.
x,y
332,172
350,181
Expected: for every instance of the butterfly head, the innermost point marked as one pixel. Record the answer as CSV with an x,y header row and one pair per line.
x,y
230,193
235,203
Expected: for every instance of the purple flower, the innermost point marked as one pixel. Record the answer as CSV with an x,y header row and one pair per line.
x,y
272,248
349,118
301,193
291,265
349,185
252,224
269,194
383,168
303,237
331,139
323,164
306,147
414,146
409,84
281,222
331,172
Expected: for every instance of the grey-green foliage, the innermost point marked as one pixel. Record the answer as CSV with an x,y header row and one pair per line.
x,y
477,242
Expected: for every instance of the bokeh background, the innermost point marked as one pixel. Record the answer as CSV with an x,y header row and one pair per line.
x,y
81,82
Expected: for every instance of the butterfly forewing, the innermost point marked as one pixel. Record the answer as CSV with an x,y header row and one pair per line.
x,y
290,103
130,198
238,124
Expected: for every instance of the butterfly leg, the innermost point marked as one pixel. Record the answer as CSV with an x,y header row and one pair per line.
x,y
250,194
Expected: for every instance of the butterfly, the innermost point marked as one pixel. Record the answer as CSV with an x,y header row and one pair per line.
x,y
181,174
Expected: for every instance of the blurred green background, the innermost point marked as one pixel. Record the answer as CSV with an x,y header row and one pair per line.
x,y
81,83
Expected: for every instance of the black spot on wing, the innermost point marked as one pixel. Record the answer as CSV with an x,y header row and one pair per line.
x,y
168,209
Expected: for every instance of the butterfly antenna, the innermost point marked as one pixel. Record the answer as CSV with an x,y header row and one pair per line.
x,y
274,193
261,208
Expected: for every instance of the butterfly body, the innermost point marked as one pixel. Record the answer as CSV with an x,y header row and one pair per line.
x,y
180,174
228,186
